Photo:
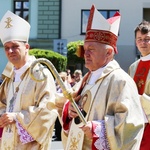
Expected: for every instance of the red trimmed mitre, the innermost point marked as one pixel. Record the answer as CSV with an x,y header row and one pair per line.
x,y
102,30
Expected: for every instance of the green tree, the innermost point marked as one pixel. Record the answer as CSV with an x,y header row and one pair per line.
x,y
71,55
58,60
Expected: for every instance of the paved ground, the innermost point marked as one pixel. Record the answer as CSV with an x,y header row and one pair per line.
x,y
56,145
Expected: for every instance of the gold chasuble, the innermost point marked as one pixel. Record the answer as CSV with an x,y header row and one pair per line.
x,y
75,139
10,130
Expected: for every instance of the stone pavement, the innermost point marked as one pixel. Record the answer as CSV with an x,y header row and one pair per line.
x,y
56,145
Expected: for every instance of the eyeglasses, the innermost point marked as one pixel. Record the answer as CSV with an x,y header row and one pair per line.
x,y
142,40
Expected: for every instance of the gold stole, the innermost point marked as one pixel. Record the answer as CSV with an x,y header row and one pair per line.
x,y
76,135
9,139
10,130
141,75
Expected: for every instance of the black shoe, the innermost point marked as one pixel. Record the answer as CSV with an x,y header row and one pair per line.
x,y
56,139
54,136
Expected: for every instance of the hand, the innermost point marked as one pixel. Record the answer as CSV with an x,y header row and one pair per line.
x,y
72,112
6,119
75,95
87,129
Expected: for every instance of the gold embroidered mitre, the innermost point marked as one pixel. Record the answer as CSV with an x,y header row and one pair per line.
x,y
13,27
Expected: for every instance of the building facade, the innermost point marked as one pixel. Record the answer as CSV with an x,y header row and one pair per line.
x,y
66,20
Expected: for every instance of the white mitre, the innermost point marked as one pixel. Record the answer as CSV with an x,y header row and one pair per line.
x,y
13,27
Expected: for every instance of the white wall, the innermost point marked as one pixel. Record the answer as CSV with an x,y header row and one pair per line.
x,y
131,16
4,6
131,12
3,59
33,18
8,5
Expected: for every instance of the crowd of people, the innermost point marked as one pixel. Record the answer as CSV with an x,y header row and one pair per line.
x,y
72,81
110,109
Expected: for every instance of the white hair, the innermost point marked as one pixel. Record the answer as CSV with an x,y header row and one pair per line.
x,y
108,46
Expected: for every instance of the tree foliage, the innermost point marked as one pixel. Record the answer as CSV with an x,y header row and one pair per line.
x,y
58,60
71,55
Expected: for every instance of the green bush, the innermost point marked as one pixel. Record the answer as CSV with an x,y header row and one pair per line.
x,y
58,60
71,55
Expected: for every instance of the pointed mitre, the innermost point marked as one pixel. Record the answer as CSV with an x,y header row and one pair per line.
x,y
13,27
103,30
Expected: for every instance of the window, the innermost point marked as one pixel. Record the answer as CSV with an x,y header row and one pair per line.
x,y
146,12
21,8
85,14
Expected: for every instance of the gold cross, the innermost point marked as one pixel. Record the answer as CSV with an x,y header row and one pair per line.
x,y
8,22
74,143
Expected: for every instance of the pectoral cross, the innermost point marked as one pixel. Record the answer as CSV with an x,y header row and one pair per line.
x,y
11,103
